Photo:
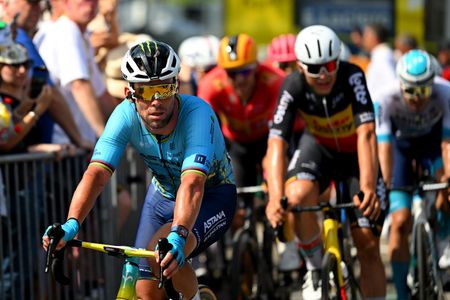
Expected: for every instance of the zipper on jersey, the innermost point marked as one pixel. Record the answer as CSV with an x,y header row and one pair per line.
x,y
158,138
324,102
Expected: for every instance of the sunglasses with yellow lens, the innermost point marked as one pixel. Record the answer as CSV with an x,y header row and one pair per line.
x,y
417,91
154,92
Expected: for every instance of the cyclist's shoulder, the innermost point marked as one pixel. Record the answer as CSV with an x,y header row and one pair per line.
x,y
192,105
295,83
347,71
441,86
269,75
390,95
213,82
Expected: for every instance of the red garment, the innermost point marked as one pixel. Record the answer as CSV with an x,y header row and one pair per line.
x,y
242,123
446,73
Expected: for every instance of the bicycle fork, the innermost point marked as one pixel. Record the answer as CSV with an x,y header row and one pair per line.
x,y
331,244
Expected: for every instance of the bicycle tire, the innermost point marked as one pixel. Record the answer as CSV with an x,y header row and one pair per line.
x,y
426,281
244,268
353,285
206,293
330,278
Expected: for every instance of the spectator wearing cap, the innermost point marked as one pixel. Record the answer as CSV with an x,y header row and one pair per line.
x,y
26,14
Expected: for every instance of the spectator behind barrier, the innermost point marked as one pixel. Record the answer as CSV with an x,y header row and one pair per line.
x,y
381,69
23,16
79,77
104,31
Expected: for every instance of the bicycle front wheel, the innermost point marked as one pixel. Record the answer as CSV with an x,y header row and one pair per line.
x,y
244,268
427,282
330,278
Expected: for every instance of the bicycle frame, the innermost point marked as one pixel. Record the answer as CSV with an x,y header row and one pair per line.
x,y
330,238
130,270
330,234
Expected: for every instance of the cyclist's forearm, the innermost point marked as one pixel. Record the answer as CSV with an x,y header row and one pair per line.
x,y
87,191
367,156
189,199
276,167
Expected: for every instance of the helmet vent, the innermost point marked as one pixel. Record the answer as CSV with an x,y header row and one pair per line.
x,y
307,50
231,48
330,51
319,49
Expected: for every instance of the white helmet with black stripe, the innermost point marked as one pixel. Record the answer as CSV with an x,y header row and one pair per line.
x,y
317,44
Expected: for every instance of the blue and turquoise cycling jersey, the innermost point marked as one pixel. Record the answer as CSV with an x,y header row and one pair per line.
x,y
196,144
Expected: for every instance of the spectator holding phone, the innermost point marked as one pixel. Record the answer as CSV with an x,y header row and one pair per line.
x,y
24,15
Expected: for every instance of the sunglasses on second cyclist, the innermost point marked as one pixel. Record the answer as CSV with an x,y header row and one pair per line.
x,y
417,91
152,92
244,72
314,70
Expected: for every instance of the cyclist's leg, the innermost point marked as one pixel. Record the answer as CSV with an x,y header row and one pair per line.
x,y
373,277
302,187
400,210
214,219
156,211
366,238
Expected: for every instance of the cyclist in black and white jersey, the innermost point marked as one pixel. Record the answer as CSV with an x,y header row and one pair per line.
x,y
334,102
413,124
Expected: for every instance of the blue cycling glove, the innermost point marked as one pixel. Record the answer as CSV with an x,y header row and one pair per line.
x,y
177,251
70,228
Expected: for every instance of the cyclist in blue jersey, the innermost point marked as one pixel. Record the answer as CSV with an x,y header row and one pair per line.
x,y
192,198
413,124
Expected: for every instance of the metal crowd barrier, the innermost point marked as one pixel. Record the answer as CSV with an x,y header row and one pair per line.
x,y
37,190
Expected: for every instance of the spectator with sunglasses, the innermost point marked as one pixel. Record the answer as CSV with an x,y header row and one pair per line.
x,y
339,136
192,197
243,94
413,124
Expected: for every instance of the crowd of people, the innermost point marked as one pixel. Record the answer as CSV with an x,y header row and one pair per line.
x,y
214,116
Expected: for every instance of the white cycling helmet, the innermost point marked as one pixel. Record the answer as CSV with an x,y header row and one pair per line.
x,y
345,54
199,51
317,44
148,61
416,68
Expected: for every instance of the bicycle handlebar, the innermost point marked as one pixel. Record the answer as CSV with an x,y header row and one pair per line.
x,y
423,187
55,258
283,234
250,189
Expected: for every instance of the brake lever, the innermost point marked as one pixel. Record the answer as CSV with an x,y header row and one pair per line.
x,y
163,248
55,258
55,234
